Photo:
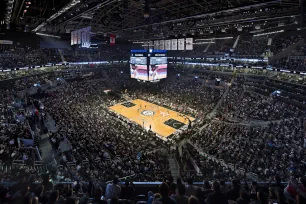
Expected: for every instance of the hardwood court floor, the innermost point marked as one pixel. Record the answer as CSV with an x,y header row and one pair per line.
x,y
163,121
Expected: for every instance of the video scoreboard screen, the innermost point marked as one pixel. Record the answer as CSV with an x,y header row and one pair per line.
x,y
148,65
138,65
158,66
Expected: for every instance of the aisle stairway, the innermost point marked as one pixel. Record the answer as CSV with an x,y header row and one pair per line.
x,y
89,57
50,123
46,149
47,153
174,168
214,111
208,45
287,51
62,55
236,41
36,140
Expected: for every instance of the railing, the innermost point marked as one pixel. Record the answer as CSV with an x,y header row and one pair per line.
x,y
39,166
238,170
71,164
195,166
17,163
38,153
139,184
31,132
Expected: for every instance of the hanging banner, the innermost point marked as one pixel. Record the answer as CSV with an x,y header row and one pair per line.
x,y
167,44
86,37
89,36
156,45
151,45
112,39
83,39
181,44
75,38
189,43
72,39
79,32
161,44
146,45
174,44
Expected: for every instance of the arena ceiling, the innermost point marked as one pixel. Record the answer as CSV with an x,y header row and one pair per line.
x,y
164,18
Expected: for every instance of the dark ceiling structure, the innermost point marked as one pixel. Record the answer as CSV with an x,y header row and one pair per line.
x,y
154,19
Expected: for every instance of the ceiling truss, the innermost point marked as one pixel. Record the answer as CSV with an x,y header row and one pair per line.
x,y
167,17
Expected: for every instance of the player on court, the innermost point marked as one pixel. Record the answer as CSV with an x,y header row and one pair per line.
x,y
167,112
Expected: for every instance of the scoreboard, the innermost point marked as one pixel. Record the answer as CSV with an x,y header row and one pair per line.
x,y
158,66
138,65
148,65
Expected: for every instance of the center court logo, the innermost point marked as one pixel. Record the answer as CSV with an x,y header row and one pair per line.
x,y
148,113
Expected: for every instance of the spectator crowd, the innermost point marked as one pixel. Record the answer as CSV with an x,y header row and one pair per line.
x,y
244,131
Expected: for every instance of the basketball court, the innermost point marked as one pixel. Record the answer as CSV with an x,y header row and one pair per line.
x,y
163,121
